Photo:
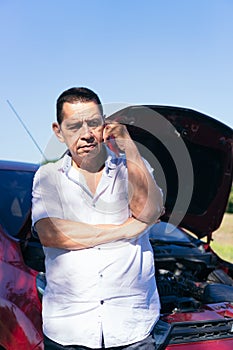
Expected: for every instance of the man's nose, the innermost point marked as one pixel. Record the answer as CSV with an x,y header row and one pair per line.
x,y
85,130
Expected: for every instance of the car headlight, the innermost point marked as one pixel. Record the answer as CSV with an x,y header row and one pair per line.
x,y
161,333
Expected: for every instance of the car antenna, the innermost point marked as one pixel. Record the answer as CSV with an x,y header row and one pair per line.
x,y
26,129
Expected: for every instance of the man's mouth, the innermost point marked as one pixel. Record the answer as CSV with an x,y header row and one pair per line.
x,y
87,148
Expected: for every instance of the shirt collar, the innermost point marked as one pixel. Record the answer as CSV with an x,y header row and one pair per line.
x,y
67,162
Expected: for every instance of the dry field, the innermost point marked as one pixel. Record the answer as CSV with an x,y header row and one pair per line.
x,y
223,238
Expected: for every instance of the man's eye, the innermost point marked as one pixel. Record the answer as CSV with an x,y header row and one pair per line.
x,y
94,123
75,126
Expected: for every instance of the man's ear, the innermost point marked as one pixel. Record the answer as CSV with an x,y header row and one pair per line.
x,y
57,131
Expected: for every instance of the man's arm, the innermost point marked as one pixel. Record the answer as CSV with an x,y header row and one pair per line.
x,y
66,234
146,199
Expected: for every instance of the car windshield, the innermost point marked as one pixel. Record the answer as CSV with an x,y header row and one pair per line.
x,y
15,199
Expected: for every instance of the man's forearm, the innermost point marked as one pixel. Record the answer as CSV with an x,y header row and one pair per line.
x,y
59,233
146,200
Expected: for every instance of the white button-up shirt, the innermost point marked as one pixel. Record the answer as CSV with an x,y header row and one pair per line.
x,y
109,289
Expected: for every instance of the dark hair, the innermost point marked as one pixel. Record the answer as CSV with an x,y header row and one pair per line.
x,y
76,94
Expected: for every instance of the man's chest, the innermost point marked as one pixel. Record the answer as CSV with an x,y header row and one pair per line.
x,y
91,180
96,198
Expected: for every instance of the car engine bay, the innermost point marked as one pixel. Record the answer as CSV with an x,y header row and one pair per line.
x,y
188,276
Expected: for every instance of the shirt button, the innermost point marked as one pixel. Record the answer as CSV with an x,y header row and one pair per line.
x,y
101,275
101,302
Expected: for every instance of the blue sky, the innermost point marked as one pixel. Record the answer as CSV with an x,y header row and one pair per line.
x,y
169,52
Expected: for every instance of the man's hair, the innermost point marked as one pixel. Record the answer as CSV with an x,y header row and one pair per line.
x,y
76,94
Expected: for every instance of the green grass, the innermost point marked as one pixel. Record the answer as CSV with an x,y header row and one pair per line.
x,y
223,238
224,251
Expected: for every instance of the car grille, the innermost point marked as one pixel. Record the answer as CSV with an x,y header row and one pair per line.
x,y
200,331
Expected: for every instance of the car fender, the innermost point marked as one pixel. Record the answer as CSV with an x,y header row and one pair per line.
x,y
16,330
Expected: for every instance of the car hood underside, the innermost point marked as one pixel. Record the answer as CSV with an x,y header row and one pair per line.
x,y
191,154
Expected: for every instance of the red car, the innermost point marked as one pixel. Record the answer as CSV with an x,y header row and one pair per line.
x,y
192,155
20,306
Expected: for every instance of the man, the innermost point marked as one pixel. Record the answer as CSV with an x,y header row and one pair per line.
x,y
91,210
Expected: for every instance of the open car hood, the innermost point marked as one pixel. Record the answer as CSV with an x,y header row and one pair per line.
x,y
192,156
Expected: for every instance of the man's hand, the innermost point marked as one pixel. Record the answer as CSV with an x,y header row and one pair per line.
x,y
116,135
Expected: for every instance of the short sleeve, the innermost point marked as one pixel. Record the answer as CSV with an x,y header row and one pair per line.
x,y
46,200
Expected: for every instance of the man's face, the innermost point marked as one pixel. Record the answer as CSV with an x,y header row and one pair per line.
x,y
81,130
